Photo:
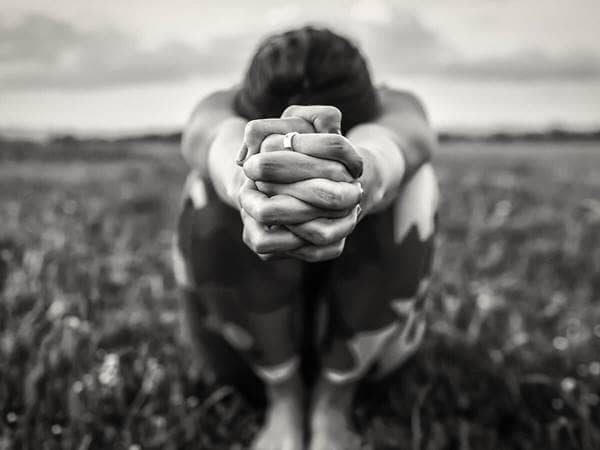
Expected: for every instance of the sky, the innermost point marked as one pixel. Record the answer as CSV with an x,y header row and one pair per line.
x,y
128,65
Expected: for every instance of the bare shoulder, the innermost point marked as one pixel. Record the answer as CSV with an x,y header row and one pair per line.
x,y
400,100
211,110
214,102
209,113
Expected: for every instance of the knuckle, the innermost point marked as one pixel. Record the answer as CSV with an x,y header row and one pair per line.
x,y
266,214
252,127
313,255
322,236
331,195
336,143
263,168
338,172
302,125
338,251
329,119
260,213
290,111
332,113
319,255
261,245
270,144
253,130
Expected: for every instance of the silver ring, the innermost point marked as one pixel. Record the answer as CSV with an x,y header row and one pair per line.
x,y
288,141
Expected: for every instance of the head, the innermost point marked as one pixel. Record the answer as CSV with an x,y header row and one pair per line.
x,y
308,66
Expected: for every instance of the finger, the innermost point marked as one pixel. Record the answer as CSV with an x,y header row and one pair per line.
x,y
325,119
289,167
247,188
272,256
242,153
312,253
323,232
257,130
325,146
262,239
318,192
282,209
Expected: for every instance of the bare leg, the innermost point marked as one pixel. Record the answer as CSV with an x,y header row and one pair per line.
x,y
284,420
283,428
330,421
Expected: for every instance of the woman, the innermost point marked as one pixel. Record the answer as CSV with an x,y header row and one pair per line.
x,y
309,247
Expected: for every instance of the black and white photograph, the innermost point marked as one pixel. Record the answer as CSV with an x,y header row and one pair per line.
x,y
300,225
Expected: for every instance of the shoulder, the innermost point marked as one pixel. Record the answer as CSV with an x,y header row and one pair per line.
x,y
393,99
217,100
205,119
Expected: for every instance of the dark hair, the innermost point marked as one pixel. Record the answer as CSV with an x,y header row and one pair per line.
x,y
308,66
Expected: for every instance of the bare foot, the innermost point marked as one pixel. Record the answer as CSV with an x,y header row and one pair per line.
x,y
284,422
330,421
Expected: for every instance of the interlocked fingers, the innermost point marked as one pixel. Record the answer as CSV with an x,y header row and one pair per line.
x,y
301,203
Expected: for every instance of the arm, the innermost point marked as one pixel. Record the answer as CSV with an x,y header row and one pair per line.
x,y
211,145
211,141
393,147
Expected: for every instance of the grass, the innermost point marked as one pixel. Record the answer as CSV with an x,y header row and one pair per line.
x,y
90,348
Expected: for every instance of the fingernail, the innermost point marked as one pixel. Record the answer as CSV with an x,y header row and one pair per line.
x,y
242,155
360,188
359,169
358,210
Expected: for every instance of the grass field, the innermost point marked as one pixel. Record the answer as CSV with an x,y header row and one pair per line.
x,y
90,349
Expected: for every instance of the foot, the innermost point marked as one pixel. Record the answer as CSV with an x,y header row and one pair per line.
x,y
284,422
330,418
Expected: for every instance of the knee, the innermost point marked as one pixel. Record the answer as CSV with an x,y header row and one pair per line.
x,y
417,205
208,235
194,190
181,269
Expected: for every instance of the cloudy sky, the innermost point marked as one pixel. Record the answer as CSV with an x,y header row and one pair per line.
x,y
132,64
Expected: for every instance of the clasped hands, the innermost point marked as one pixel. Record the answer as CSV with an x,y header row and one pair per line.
x,y
302,203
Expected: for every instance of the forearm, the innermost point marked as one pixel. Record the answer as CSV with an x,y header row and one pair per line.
x,y
203,126
384,166
405,120
225,174
416,144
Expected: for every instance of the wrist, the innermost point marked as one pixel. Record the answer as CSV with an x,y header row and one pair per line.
x,y
370,180
226,176
383,170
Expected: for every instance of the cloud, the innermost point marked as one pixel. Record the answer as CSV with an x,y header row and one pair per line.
x,y
41,52
527,66
397,42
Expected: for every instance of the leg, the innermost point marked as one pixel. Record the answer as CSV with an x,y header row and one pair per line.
x,y
377,297
250,304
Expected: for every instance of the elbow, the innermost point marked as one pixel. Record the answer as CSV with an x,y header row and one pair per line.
x,y
428,145
187,150
425,144
192,149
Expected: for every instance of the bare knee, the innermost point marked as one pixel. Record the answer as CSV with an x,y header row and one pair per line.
x,y
417,205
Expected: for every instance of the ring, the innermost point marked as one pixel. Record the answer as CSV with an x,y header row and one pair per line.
x,y
288,140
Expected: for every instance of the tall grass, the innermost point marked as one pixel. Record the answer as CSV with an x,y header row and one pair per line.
x,y
90,347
